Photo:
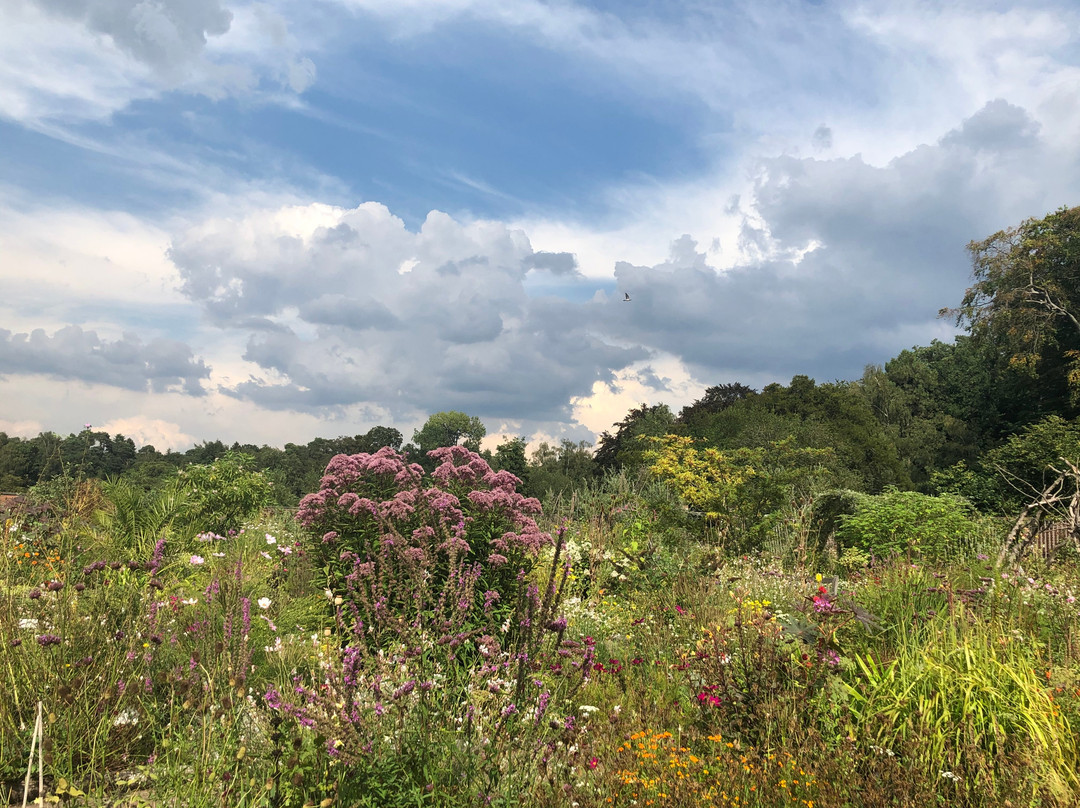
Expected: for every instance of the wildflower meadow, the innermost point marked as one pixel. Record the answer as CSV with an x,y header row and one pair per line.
x,y
415,637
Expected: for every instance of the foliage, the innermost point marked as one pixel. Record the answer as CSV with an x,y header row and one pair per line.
x,y
220,496
1025,299
906,522
462,522
449,429
558,470
1026,461
715,399
510,456
976,486
134,519
742,490
626,448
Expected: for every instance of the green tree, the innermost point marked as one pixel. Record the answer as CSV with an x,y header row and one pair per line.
x,y
1026,300
220,496
510,456
716,399
625,448
557,470
1025,463
448,428
741,491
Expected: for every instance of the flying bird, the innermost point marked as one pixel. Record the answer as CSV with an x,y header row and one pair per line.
x,y
626,297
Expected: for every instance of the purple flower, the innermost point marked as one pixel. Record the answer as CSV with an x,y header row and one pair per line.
x,y
46,640
34,594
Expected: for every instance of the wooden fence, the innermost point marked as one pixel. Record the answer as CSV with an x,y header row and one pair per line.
x,y
1050,539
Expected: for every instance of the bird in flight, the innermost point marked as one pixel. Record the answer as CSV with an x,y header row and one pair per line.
x,y
626,297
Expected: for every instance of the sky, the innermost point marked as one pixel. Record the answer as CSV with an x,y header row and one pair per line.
x,y
270,221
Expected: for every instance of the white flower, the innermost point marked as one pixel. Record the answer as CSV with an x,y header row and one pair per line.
x,y
265,555
286,550
198,560
264,603
270,539
587,708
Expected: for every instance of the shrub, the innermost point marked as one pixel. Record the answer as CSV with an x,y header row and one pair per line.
x,y
382,517
223,494
449,668
899,522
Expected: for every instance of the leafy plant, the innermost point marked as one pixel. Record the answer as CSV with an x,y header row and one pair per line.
x,y
222,494
898,522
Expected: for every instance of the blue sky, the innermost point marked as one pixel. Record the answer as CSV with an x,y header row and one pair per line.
x,y
274,220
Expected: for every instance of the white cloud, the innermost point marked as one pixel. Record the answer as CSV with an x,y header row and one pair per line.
x,y
331,322
162,435
67,61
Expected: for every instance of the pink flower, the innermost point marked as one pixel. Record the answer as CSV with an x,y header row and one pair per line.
x,y
196,560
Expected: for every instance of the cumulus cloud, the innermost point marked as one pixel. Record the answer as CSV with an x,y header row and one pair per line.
x,y
365,310
843,263
158,366
854,260
162,435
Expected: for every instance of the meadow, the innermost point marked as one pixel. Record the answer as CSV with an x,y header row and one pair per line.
x,y
415,638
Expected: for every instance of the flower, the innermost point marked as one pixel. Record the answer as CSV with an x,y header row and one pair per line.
x,y
264,603
270,539
195,559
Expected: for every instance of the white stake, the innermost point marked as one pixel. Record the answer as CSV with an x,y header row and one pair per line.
x,y
35,743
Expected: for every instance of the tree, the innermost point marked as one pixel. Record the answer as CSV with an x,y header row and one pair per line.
x,y
1030,460
740,491
1026,298
448,429
716,399
510,456
625,447
555,470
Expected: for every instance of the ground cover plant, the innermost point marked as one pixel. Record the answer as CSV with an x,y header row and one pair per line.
x,y
415,637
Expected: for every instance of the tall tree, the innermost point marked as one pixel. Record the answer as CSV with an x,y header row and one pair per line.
x,y
1026,298
716,399
625,447
448,429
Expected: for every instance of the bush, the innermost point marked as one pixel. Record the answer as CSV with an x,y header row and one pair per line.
x,y
223,494
375,512
898,522
446,679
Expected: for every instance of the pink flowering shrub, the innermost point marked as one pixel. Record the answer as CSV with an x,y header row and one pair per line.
x,y
465,525
445,617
